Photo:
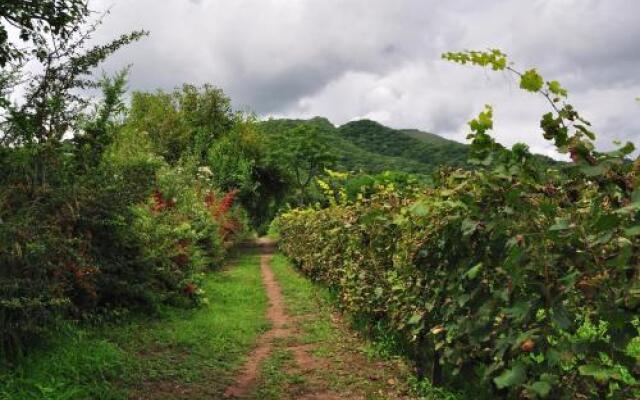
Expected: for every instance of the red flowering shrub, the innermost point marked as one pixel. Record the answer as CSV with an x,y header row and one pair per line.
x,y
226,215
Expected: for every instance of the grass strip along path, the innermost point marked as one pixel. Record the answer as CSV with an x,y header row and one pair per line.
x,y
266,333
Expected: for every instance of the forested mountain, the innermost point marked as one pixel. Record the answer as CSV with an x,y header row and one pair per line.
x,y
371,147
426,148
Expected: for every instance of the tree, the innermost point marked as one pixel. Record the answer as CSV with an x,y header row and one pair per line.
x,y
97,131
53,100
305,154
238,162
33,18
62,209
188,120
52,103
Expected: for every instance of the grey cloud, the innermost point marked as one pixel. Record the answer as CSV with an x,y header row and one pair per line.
x,y
253,47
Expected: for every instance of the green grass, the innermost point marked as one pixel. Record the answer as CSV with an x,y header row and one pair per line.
x,y
301,295
274,375
75,365
195,350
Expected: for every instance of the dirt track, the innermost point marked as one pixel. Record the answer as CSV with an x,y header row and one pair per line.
x,y
281,327
344,374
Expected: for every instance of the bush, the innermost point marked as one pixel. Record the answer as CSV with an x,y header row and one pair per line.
x,y
132,232
116,216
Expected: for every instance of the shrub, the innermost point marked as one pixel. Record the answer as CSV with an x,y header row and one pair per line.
x,y
131,232
114,216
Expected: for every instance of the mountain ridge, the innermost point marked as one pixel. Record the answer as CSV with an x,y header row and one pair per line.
x,y
368,146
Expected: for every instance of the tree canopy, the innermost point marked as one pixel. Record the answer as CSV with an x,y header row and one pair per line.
x,y
35,18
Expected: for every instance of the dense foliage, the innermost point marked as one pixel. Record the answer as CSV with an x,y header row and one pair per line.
x,y
130,231
104,209
516,272
516,275
304,154
33,18
199,123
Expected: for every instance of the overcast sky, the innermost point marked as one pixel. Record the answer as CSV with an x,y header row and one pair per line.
x,y
380,59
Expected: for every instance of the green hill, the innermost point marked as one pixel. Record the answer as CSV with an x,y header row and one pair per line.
x,y
350,155
426,148
371,147
426,137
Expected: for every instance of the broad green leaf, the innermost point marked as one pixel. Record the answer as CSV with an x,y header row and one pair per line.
x,y
630,209
518,310
560,316
419,209
560,225
468,226
633,231
570,279
588,133
415,318
463,299
556,88
600,239
623,151
553,357
598,372
607,222
531,81
511,377
473,271
540,388
593,170
483,123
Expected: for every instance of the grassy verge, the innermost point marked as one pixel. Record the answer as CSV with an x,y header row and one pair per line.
x,y
182,354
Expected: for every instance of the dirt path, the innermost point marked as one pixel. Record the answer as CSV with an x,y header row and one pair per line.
x,y
308,376
279,320
282,328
